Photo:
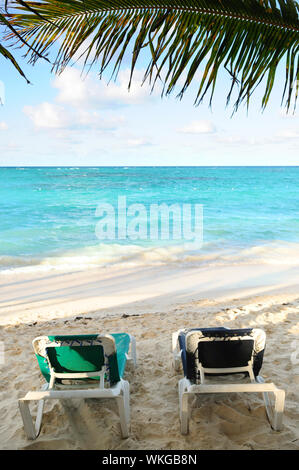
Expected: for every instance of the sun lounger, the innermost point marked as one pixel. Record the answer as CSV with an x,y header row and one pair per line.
x,y
205,352
81,366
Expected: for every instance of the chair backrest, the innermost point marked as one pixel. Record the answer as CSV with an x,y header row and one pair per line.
x,y
77,353
223,348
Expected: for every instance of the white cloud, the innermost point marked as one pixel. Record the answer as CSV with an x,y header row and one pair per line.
x,y
47,115
235,140
84,103
198,127
138,142
73,90
282,136
87,103
93,119
3,126
288,134
55,117
119,93
94,93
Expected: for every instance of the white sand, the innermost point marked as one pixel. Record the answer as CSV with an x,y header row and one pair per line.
x,y
151,303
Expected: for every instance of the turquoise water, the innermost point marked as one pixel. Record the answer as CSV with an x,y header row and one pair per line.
x,y
48,215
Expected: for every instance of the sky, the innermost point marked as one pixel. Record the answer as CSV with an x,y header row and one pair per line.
x,y
73,120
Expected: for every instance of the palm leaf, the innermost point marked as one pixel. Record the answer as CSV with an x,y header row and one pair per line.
x,y
249,39
6,53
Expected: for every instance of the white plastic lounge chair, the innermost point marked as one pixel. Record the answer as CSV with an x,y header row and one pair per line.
x,y
222,351
95,362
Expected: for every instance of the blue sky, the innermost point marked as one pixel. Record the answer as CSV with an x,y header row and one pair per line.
x,y
68,120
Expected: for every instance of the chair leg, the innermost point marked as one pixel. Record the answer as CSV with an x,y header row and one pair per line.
x,y
127,401
274,413
123,402
31,430
27,419
184,409
278,409
39,416
184,414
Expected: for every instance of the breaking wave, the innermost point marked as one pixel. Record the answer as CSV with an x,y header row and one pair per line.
x,y
130,256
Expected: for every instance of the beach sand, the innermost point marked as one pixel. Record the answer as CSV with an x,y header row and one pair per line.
x,y
151,303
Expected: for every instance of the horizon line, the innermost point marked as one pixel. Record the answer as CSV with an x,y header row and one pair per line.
x,y
149,166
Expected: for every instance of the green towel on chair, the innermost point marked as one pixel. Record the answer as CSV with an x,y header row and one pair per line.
x,y
88,358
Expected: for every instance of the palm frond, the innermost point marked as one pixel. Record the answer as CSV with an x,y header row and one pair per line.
x,y
4,52
247,38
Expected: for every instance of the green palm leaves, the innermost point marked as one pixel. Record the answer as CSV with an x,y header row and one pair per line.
x,y
249,39
4,51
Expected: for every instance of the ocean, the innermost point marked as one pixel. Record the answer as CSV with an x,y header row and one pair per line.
x,y
50,216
